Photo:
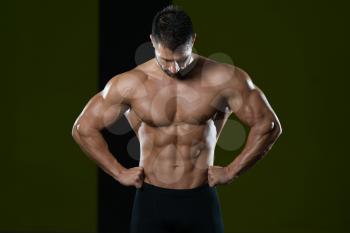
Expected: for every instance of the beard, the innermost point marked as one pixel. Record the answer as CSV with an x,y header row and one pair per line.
x,y
174,75
166,71
182,72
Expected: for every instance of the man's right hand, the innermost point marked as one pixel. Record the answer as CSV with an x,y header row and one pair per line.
x,y
132,177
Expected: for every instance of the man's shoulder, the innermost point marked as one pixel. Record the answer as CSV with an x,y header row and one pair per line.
x,y
130,76
234,71
224,73
127,84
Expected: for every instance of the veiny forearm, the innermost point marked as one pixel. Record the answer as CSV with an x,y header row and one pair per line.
x,y
96,148
259,142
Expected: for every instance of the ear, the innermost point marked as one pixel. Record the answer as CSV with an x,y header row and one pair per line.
x,y
150,36
194,38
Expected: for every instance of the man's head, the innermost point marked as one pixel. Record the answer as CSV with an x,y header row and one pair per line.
x,y
172,38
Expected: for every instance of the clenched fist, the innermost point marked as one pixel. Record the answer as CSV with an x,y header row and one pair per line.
x,y
132,177
218,175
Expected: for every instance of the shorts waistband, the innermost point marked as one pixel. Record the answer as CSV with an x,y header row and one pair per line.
x,y
181,192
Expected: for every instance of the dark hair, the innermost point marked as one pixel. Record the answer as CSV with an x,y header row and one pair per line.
x,y
172,27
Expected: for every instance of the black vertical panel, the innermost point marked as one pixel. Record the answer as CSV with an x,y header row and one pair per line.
x,y
124,26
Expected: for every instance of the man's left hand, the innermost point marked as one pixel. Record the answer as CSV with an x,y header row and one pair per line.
x,y
218,175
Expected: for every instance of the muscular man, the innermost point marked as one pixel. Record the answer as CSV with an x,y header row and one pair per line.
x,y
177,103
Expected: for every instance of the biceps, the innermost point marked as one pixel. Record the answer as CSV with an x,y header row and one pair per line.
x,y
99,113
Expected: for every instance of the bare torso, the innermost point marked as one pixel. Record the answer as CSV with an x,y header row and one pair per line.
x,y
177,122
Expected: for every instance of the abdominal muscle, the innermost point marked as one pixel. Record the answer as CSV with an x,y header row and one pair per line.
x,y
172,160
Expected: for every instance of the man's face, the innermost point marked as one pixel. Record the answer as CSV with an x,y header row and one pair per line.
x,y
173,62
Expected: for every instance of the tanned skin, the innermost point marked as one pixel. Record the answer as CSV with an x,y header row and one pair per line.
x,y
177,104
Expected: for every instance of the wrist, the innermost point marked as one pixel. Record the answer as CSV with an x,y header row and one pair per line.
x,y
231,172
118,171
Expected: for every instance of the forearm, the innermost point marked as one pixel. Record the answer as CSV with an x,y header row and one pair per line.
x,y
96,148
259,142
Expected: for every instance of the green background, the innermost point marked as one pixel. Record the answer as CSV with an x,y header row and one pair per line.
x,y
296,51
51,61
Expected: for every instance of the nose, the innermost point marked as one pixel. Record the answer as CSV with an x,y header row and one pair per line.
x,y
174,67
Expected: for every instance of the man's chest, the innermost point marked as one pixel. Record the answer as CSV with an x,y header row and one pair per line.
x,y
178,102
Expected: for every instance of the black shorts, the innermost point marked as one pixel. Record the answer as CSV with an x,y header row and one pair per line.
x,y
162,210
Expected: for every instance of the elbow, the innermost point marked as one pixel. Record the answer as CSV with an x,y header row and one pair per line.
x,y
279,130
270,126
277,127
83,129
78,130
75,132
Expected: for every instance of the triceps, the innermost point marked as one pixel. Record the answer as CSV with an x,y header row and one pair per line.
x,y
255,108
